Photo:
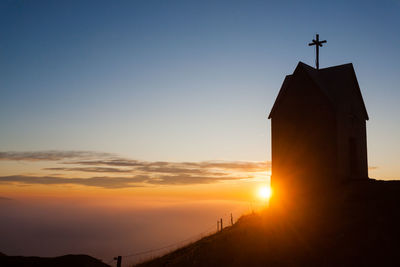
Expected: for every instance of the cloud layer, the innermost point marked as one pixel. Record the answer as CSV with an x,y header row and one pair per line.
x,y
105,182
111,171
51,155
115,182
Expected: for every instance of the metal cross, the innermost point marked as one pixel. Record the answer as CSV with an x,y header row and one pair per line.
x,y
317,44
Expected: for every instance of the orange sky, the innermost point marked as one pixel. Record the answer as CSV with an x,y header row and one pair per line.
x,y
95,176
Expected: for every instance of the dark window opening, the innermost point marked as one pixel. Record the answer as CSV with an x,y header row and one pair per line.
x,y
353,157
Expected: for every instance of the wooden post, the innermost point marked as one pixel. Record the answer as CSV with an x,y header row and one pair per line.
x,y
217,225
231,219
221,224
119,259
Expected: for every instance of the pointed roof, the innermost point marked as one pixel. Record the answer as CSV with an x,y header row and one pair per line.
x,y
334,82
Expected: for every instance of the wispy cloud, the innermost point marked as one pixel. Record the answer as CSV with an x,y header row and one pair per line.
x,y
104,182
247,166
52,155
187,179
119,162
123,172
115,182
90,169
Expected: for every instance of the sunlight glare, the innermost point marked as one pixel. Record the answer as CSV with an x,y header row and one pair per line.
x,y
265,192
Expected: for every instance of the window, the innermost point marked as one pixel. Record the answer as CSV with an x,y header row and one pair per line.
x,y
353,157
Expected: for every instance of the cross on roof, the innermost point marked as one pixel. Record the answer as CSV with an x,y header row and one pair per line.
x,y
317,44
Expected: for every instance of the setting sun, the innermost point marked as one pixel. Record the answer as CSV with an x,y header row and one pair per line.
x,y
265,192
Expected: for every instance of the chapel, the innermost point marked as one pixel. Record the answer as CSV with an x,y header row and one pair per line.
x,y
318,124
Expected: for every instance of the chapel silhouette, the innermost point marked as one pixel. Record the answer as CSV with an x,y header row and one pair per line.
x,y
318,124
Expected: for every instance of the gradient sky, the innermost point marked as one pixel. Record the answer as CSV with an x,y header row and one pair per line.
x,y
184,83
184,80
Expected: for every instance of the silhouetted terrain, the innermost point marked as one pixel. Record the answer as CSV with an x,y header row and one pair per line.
x,y
355,224
63,261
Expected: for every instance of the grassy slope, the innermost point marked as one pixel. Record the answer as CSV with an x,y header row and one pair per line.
x,y
357,224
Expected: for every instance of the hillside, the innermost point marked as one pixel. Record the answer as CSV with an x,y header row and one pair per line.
x,y
62,261
356,224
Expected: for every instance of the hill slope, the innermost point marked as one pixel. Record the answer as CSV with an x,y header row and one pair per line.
x,y
62,261
357,224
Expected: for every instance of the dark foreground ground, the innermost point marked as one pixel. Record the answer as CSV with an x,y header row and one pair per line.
x,y
355,224
63,261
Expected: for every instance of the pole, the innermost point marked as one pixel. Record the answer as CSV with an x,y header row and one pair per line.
x,y
119,259
317,47
217,225
221,225
231,219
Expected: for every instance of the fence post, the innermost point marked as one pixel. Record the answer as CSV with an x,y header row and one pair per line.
x,y
231,219
221,225
217,225
119,259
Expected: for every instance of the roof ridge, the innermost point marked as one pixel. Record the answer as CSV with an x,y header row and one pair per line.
x,y
313,74
331,67
306,65
338,66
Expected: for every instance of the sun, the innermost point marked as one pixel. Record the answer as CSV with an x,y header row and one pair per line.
x,y
265,192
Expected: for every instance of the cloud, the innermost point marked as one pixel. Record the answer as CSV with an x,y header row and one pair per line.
x,y
90,169
52,155
117,162
104,182
116,182
186,180
246,166
180,167
179,170
136,172
372,167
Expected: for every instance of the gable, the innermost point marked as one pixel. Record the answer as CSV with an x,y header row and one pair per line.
x,y
281,94
339,84
299,93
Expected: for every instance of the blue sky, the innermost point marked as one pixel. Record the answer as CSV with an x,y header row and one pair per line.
x,y
184,80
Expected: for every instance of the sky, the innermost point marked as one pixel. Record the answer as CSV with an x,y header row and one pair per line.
x,y
173,95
